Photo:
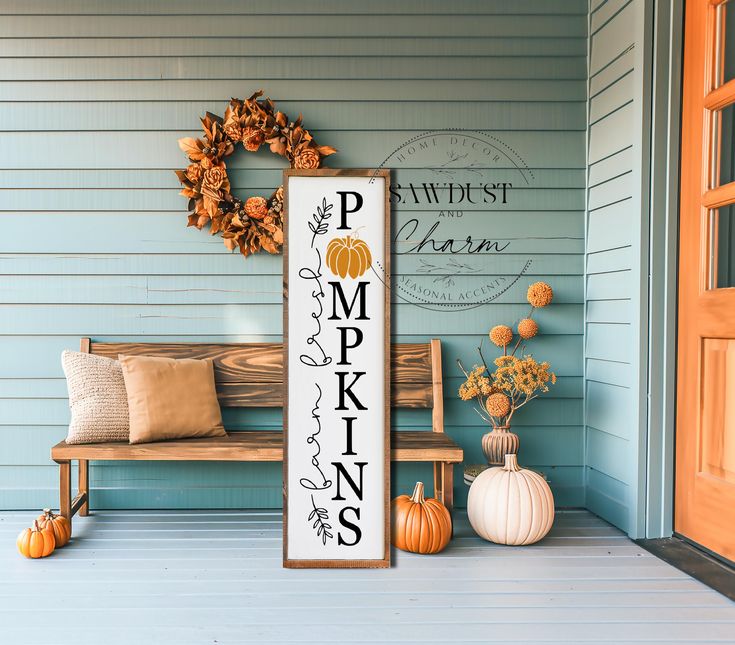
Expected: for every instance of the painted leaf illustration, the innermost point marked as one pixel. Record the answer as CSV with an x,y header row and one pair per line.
x,y
320,226
320,517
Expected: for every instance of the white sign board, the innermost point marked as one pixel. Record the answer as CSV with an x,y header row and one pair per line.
x,y
336,344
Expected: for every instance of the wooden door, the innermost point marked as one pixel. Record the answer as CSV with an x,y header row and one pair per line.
x,y
705,429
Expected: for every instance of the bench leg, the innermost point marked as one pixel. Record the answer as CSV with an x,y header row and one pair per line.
x,y
438,481
84,486
444,483
65,489
448,484
80,504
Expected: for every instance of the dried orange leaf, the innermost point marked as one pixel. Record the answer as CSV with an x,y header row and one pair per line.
x,y
192,147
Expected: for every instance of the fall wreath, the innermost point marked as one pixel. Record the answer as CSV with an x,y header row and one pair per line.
x,y
256,223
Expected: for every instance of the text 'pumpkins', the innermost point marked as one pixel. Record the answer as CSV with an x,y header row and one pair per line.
x,y
59,525
348,256
420,525
36,542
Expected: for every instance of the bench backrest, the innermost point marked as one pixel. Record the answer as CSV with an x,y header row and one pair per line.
x,y
251,374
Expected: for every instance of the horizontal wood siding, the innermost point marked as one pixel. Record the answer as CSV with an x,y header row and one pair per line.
x,y
92,100
613,212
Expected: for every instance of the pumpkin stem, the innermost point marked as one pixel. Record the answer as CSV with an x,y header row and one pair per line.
x,y
511,463
418,493
35,526
47,511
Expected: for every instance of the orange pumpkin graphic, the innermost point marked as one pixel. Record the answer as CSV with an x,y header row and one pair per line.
x,y
348,256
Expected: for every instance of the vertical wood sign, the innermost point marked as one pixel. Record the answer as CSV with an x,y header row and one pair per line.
x,y
336,462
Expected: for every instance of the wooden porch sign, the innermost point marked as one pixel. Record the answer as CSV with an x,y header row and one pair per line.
x,y
336,343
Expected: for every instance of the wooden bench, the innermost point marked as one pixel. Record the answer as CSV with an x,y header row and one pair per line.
x,y
251,375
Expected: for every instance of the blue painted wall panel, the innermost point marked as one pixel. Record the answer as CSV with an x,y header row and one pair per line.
x,y
93,235
615,352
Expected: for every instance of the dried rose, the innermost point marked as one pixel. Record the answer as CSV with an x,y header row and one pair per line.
x,y
256,207
214,178
234,131
307,159
194,172
252,138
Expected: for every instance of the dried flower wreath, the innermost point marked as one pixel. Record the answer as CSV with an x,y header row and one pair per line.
x,y
256,223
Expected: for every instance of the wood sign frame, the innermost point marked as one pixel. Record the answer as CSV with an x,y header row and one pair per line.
x,y
335,223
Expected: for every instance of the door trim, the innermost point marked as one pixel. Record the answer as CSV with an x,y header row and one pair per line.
x,y
667,45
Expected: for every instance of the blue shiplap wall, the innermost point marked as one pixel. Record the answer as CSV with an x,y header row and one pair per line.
x,y
93,96
615,269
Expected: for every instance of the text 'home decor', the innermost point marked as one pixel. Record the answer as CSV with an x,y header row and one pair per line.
x,y
336,344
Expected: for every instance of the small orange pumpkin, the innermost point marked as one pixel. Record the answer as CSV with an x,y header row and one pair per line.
x,y
58,523
348,256
420,525
36,542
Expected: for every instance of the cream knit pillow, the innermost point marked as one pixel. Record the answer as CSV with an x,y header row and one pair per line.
x,y
97,398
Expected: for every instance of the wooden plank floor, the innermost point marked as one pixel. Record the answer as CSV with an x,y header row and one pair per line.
x,y
186,577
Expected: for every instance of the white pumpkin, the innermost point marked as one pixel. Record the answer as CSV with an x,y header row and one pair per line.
x,y
510,505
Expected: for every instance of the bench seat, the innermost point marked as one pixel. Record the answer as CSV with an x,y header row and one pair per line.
x,y
249,446
250,375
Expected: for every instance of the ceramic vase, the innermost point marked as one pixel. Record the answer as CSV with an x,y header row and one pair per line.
x,y
498,443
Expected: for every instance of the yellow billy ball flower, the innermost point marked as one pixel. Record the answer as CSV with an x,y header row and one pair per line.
x,y
539,294
498,405
501,335
527,328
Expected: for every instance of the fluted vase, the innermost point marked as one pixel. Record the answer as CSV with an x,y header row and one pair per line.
x,y
498,443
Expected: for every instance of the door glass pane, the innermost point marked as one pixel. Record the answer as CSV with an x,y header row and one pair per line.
x,y
728,35
724,229
726,124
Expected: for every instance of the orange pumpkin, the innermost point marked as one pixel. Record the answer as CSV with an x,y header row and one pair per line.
x,y
36,542
348,256
420,525
58,523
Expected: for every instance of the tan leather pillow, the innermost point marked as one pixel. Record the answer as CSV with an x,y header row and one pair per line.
x,y
170,398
